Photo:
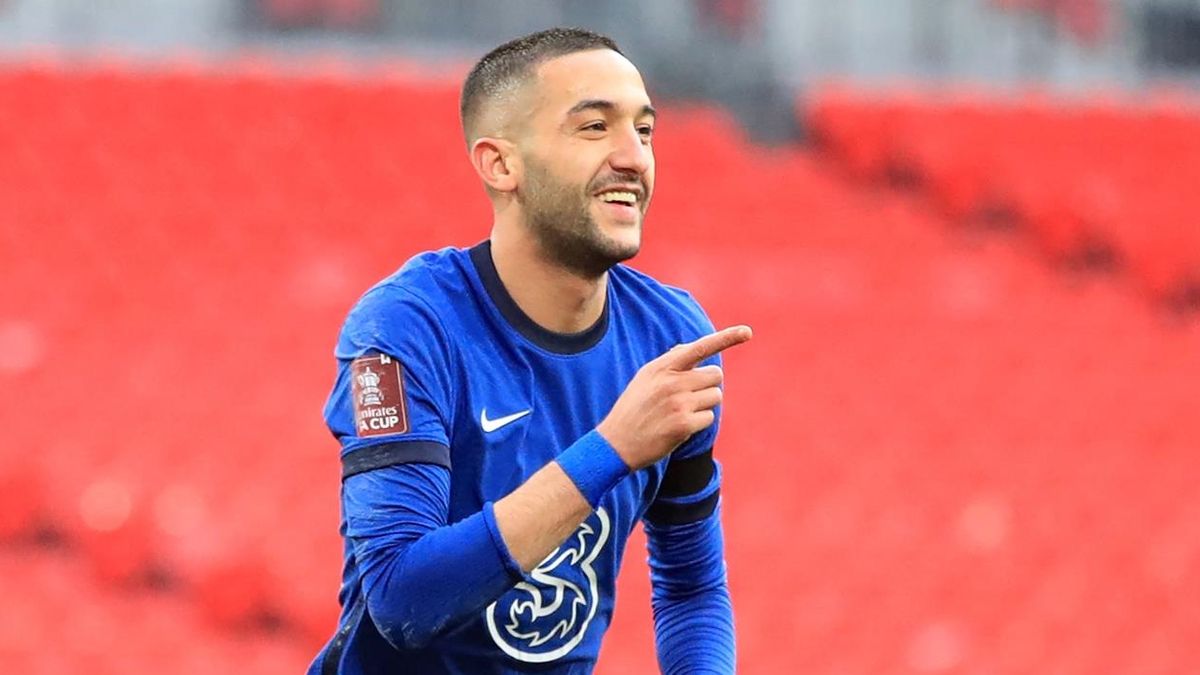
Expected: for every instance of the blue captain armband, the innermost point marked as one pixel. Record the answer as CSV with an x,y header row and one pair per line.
x,y
593,465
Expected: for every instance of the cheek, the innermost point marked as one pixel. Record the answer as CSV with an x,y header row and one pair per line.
x,y
574,175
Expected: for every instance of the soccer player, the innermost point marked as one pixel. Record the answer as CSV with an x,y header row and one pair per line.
x,y
508,413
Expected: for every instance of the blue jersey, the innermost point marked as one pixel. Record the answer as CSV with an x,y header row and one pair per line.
x,y
445,383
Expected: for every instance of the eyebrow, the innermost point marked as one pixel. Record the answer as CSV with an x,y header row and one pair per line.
x,y
607,106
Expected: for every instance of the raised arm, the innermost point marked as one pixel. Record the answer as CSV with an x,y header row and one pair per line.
x,y
669,400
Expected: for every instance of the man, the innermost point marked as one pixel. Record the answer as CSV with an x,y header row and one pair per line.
x,y
508,413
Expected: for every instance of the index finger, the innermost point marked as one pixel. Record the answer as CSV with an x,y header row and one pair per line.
x,y
689,355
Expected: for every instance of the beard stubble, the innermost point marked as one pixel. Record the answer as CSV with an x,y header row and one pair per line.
x,y
560,219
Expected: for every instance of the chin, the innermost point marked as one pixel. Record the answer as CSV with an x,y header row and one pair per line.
x,y
625,243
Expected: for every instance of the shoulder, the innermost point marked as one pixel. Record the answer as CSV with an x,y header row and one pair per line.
x,y
408,303
668,303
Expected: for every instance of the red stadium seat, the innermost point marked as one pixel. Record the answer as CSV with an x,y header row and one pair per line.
x,y
1089,180
939,453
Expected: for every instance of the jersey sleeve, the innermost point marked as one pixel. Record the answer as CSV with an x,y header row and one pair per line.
x,y
391,408
693,616
391,400
422,576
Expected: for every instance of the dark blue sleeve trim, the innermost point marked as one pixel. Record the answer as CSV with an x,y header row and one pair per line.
x,y
676,513
682,498
687,476
390,454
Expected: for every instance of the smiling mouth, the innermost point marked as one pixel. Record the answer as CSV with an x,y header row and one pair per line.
x,y
621,197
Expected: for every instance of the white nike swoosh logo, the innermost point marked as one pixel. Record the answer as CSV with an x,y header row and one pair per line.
x,y
492,425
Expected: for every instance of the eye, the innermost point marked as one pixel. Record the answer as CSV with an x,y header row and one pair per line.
x,y
596,126
646,131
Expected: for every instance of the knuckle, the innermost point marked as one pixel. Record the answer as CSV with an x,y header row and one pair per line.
x,y
682,427
678,406
663,388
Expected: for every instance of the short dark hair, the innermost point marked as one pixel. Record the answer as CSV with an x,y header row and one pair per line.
x,y
513,61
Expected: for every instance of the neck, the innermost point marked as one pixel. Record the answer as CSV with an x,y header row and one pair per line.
x,y
556,299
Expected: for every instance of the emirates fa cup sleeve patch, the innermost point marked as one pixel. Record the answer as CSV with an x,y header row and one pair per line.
x,y
377,385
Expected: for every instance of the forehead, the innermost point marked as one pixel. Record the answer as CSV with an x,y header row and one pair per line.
x,y
595,74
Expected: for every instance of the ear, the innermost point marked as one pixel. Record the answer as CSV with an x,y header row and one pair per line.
x,y
496,162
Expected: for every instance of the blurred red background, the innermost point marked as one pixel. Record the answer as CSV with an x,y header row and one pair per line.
x,y
963,440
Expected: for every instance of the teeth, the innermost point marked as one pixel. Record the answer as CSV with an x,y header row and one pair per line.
x,y
626,197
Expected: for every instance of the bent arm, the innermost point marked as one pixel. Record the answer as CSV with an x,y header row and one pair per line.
x,y
422,576
538,516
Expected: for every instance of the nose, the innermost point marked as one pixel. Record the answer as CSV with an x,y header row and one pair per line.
x,y
630,154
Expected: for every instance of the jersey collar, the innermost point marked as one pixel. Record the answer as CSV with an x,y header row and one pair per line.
x,y
558,343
